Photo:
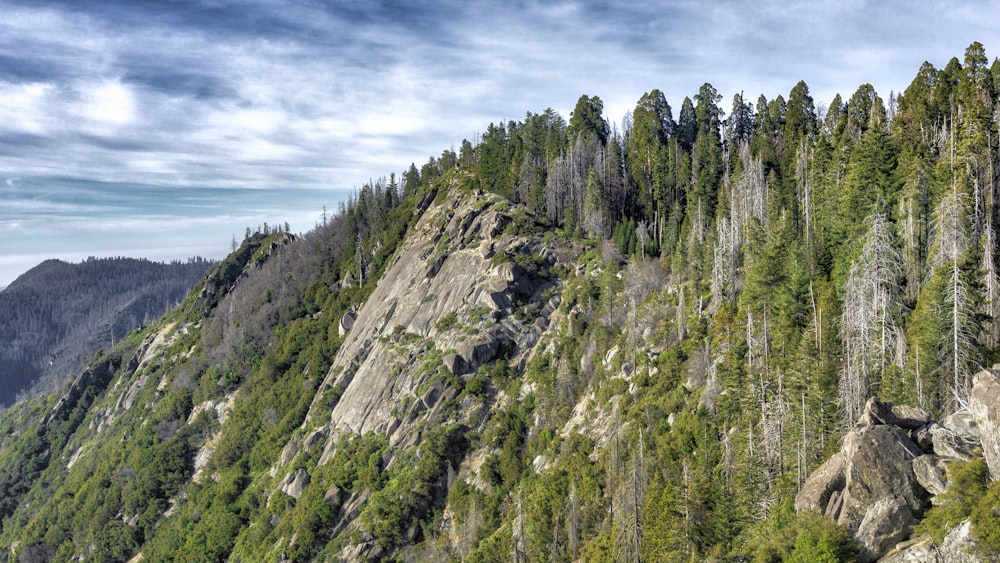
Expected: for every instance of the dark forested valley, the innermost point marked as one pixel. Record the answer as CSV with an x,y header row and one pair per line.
x,y
54,317
723,330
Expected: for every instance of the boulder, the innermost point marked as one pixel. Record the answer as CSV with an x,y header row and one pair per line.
x,y
949,443
963,424
295,482
903,416
984,405
885,524
931,473
821,485
347,322
477,351
870,486
879,465
455,363
879,484
496,300
910,418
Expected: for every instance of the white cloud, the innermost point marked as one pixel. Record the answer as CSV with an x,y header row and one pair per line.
x,y
23,107
108,103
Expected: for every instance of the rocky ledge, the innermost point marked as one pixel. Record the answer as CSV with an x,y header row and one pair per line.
x,y
892,465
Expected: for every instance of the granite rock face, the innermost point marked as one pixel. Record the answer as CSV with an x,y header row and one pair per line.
x,y
460,309
985,407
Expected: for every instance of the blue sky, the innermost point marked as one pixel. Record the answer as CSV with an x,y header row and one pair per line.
x,y
277,108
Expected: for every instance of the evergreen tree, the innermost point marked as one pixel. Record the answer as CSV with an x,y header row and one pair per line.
x,y
588,118
707,162
687,125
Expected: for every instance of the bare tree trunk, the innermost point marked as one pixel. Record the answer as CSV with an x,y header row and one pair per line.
x,y
573,521
869,318
519,545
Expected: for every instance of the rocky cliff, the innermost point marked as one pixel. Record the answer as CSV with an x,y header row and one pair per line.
x,y
462,292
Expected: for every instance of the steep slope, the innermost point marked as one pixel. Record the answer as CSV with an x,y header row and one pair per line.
x,y
463,295
55,316
491,390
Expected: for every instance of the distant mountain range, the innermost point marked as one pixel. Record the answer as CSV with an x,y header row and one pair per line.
x,y
54,317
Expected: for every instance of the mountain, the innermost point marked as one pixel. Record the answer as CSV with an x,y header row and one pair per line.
x,y
54,317
754,338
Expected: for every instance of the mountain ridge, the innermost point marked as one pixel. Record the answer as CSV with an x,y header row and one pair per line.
x,y
571,343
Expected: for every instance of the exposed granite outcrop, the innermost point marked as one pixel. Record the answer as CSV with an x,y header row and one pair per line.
x,y
891,466
870,486
985,407
382,362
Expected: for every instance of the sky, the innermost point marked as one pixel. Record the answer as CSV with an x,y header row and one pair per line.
x,y
163,129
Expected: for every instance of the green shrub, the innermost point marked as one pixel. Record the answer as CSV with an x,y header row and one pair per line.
x,y
986,520
968,487
447,322
801,537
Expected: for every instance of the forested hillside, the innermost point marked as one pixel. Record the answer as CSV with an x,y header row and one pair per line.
x,y
55,316
573,341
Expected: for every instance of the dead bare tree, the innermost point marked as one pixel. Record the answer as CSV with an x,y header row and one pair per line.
x,y
952,239
869,322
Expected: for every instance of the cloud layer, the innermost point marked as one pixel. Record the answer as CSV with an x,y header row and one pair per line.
x,y
325,95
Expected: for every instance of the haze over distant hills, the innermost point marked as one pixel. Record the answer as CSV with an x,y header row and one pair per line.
x,y
43,218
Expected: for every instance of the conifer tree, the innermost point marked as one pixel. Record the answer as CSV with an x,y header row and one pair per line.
x,y
707,163
652,126
588,118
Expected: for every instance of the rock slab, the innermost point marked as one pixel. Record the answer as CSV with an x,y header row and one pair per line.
x,y
985,406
